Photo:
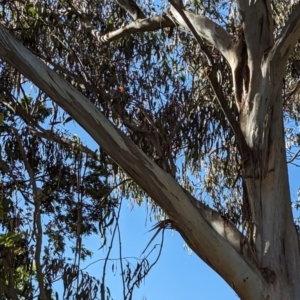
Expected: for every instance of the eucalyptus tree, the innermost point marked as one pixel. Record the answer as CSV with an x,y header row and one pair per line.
x,y
190,105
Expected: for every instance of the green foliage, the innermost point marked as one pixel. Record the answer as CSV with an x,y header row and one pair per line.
x,y
161,100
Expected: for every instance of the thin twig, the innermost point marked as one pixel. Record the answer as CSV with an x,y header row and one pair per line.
x,y
37,222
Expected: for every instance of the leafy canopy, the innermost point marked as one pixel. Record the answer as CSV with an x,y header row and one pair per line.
x,y
55,186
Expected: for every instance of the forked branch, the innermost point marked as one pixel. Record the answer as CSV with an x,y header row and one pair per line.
x,y
212,76
196,226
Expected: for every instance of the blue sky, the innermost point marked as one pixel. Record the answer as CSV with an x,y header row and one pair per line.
x,y
178,274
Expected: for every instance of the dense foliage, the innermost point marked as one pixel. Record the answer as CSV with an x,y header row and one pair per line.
x,y
55,190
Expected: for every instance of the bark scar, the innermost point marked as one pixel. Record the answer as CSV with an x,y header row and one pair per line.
x,y
241,71
268,274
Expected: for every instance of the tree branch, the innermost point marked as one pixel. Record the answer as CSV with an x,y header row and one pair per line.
x,y
140,25
240,140
219,250
132,8
206,29
179,8
295,156
294,91
8,291
37,222
212,76
287,40
257,27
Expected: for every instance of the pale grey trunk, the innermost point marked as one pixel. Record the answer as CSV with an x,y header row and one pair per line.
x,y
264,264
267,206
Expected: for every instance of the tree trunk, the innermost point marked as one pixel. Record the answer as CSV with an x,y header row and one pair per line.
x,y
213,239
267,206
264,264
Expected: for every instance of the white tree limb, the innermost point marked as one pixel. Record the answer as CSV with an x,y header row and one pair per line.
x,y
215,240
140,25
287,40
208,30
257,27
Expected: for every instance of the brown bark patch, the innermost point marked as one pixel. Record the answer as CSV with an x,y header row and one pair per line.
x,y
268,275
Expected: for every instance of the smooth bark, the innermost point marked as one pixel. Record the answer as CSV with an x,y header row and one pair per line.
x,y
214,239
264,264
208,30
